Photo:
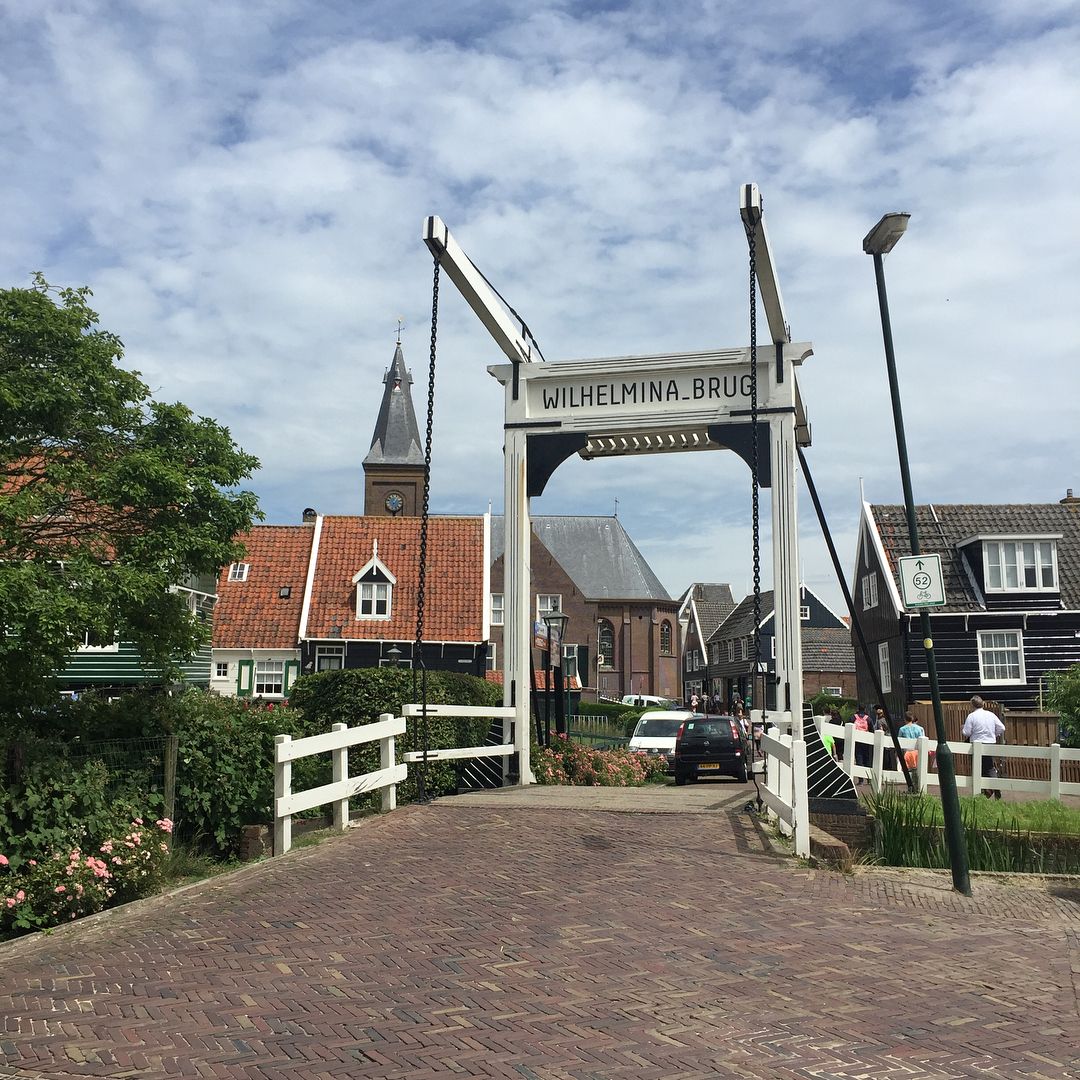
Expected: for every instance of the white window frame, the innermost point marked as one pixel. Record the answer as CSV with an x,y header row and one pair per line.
x,y
731,651
329,652
86,647
498,609
218,666
544,605
1016,547
670,650
492,659
270,667
833,691
238,571
608,659
869,591
987,648
744,648
569,652
884,667
368,599
804,612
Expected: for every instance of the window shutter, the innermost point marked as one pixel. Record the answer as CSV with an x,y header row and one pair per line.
x,y
292,669
245,677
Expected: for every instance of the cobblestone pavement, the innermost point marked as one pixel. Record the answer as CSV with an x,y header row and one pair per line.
x,y
491,939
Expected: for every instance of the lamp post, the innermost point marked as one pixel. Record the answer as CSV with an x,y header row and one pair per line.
x,y
394,654
555,621
879,241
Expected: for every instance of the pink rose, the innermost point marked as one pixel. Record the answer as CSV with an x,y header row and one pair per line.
x,y
60,888
3,860
33,862
20,896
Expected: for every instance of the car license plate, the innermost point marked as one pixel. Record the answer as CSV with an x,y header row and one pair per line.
x,y
709,765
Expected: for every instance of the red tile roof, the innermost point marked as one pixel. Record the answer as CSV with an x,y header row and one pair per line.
x,y
250,614
454,601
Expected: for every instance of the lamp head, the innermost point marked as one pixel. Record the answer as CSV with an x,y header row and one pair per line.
x,y
885,235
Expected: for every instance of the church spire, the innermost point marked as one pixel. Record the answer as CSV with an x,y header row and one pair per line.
x,y
394,466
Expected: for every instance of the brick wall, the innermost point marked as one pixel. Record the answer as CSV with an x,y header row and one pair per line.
x,y
855,830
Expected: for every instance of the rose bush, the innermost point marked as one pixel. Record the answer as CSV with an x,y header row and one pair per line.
x,y
568,762
38,893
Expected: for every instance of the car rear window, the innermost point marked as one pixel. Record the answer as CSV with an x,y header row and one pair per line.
x,y
708,729
660,728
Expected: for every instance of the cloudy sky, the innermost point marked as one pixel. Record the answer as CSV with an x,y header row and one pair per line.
x,y
243,185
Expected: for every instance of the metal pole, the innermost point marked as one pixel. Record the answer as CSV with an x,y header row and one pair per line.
x,y
950,801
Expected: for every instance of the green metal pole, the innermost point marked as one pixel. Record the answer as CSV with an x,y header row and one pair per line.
x,y
950,800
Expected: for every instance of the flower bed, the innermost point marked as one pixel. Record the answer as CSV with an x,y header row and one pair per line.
x,y
568,762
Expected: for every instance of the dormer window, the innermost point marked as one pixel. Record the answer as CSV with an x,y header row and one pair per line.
x,y
1020,565
239,571
374,588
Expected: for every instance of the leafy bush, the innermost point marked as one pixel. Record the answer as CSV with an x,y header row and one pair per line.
x,y
49,803
569,762
603,708
825,703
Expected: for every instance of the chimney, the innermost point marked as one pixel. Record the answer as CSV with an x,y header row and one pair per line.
x,y
310,515
1070,499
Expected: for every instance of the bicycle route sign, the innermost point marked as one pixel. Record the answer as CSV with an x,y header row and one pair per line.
x,y
921,582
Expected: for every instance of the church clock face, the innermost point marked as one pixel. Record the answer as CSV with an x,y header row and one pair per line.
x,y
394,502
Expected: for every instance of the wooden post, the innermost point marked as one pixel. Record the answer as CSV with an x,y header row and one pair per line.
x,y
1055,770
976,767
877,779
340,759
386,761
784,779
849,749
172,744
282,787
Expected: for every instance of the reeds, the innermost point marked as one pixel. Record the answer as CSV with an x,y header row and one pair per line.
x,y
998,838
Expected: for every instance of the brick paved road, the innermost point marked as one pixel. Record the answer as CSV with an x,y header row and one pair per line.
x,y
494,940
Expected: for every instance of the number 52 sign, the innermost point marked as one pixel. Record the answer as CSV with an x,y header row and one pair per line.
x,y
921,583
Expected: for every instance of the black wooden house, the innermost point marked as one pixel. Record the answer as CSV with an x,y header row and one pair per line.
x,y
1012,613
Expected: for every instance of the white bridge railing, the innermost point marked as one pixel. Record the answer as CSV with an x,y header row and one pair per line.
x,y
878,746
386,778
784,793
337,742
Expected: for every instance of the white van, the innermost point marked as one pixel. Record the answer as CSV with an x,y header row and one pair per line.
x,y
655,733
646,701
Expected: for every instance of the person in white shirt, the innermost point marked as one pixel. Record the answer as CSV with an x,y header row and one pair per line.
x,y
983,726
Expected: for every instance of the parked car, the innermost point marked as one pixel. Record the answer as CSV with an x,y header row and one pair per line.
x,y
656,731
645,701
710,746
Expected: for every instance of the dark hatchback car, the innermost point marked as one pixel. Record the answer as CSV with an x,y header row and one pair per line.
x,y
710,746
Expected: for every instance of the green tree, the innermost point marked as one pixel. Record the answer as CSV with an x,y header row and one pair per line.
x,y
107,497
1063,696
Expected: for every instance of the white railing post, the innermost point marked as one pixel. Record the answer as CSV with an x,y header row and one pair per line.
x,y
386,760
976,767
772,777
878,778
799,799
784,779
340,760
1055,770
849,749
922,748
282,789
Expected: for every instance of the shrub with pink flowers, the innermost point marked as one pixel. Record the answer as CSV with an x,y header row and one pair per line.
x,y
569,762
63,885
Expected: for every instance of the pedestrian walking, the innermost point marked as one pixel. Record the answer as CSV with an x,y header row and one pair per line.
x,y
911,729
863,751
880,723
693,702
983,726
838,743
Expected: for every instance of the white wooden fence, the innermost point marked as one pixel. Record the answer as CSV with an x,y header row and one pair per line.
x,y
784,793
493,712
926,777
337,742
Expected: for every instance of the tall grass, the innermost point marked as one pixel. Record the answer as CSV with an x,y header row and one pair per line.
x,y
1001,837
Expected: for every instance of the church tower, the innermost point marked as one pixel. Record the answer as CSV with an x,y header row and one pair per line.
x,y
394,466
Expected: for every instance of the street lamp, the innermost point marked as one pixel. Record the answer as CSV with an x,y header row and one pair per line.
x,y
879,241
555,621
394,655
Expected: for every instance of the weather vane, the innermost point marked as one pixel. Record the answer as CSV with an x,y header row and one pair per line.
x,y
400,324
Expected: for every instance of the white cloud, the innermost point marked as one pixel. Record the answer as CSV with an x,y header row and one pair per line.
x,y
244,186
